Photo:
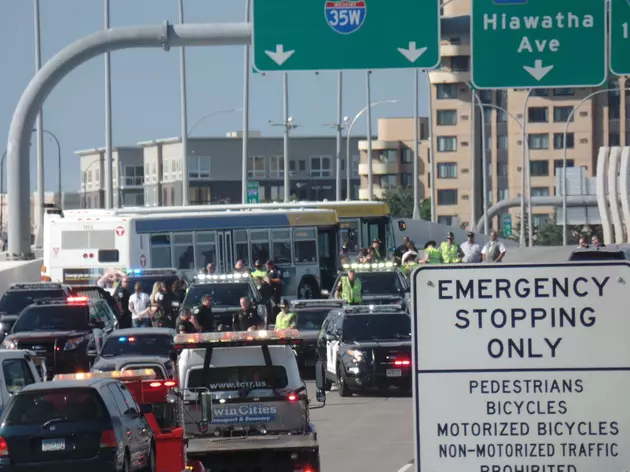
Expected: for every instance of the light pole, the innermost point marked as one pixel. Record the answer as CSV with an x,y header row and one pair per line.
x,y
246,76
348,158
209,114
40,134
526,179
4,155
368,121
484,161
109,163
54,137
339,127
184,112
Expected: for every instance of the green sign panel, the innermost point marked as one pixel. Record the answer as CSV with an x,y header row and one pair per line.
x,y
538,43
507,226
294,35
620,37
253,194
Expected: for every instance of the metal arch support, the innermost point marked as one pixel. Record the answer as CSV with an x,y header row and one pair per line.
x,y
602,191
162,36
623,188
613,193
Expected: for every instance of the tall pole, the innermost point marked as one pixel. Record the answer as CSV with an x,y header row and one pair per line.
x,y
473,167
40,137
245,136
369,135
109,165
525,189
416,138
484,162
339,137
184,113
432,166
287,127
4,155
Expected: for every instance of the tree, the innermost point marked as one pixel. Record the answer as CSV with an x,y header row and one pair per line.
x,y
400,202
550,233
425,209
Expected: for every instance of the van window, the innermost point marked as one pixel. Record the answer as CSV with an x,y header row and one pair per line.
x,y
17,374
252,377
597,256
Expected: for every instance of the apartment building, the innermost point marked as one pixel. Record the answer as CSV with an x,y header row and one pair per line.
x,y
462,130
215,170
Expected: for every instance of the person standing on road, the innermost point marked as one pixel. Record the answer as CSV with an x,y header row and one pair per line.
x,y
471,250
451,252
122,297
203,314
138,304
432,255
494,250
351,289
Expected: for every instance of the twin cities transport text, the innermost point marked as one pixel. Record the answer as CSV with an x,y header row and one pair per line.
x,y
552,303
528,426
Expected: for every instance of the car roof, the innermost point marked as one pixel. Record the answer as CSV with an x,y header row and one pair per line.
x,y
606,248
141,331
62,384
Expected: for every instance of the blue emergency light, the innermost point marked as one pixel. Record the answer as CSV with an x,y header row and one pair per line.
x,y
135,271
124,339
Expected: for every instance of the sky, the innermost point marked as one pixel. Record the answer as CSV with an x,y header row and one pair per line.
x,y
146,87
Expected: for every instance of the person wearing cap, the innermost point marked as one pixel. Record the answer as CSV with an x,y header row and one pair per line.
x,y
451,253
350,289
275,281
286,319
259,271
471,250
432,255
203,314
247,317
376,245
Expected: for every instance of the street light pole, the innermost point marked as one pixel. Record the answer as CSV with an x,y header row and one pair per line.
x,y
208,115
109,165
40,135
348,158
340,125
416,148
245,131
369,135
525,179
4,155
54,137
184,112
484,162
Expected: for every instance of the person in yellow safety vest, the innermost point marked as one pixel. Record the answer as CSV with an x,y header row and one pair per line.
x,y
259,271
350,289
451,252
285,319
431,254
410,264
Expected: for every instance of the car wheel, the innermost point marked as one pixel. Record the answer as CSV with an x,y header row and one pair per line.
x,y
344,391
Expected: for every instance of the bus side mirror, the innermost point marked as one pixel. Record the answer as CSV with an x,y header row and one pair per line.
x,y
402,226
206,408
320,381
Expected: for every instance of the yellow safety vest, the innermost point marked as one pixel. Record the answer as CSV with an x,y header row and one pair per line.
x,y
435,256
450,254
409,268
351,294
283,321
259,273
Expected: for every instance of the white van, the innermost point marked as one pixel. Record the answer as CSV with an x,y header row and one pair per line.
x,y
18,368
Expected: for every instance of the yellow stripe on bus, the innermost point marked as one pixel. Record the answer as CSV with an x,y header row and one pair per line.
x,y
357,211
312,219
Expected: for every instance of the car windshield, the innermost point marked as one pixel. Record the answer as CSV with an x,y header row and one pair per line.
x,y
376,327
240,378
223,294
138,345
13,302
58,405
311,319
53,318
380,283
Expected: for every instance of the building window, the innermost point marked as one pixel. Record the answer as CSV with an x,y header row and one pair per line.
x,y
502,116
485,96
165,165
133,175
355,165
563,92
538,115
540,221
388,181
388,156
561,114
276,193
199,167
445,220
406,180
502,169
447,197
276,167
502,142
540,92
487,115
557,164
256,167
446,117
447,170
540,191
460,63
614,139
321,166
539,168
538,141
503,194
447,143
407,156
446,91
558,140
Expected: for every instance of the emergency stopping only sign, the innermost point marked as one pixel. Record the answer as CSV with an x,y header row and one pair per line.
x,y
522,368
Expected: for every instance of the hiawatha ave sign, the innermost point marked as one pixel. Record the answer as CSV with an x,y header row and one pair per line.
x,y
538,43
521,368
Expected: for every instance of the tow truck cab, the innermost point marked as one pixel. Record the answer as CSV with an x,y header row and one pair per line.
x,y
244,401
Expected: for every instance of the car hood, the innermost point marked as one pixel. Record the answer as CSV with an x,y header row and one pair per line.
x,y
118,362
34,335
384,299
403,343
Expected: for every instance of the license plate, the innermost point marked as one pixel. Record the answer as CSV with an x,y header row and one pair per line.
x,y
49,445
394,373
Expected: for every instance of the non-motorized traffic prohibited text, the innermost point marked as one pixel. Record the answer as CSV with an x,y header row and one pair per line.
x,y
522,368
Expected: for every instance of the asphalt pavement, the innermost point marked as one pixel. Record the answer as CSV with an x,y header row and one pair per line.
x,y
364,432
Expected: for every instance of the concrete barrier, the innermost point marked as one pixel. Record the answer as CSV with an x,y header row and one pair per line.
x,y
12,272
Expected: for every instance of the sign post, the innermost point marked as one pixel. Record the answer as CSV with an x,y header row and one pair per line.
x,y
541,43
346,34
620,37
253,192
521,367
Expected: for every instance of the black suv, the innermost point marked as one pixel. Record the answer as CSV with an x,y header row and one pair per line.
x,y
69,333
365,347
90,424
21,295
612,252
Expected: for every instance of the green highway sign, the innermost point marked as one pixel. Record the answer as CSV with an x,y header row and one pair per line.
x,y
253,192
507,225
538,43
309,35
620,37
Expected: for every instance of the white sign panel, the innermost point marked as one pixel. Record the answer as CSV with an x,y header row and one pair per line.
x,y
522,368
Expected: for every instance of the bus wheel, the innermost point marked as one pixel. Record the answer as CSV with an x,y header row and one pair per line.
x,y
308,290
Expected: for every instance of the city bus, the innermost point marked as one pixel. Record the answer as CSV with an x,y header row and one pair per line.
x,y
360,222
84,245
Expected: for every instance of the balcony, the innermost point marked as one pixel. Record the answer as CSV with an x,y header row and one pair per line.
x,y
451,50
443,76
379,145
378,192
380,168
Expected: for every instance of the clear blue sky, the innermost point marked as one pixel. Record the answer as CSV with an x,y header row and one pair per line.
x,y
145,83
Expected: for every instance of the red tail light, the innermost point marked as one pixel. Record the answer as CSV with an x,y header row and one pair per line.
x,y
108,438
308,469
4,448
169,383
77,299
155,384
402,362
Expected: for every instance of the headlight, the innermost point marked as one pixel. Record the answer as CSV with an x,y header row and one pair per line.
x,y
9,344
357,355
72,343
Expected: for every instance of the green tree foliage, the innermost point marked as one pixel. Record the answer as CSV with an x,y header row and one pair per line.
x,y
400,201
550,234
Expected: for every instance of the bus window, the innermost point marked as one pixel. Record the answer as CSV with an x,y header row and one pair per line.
x,y
370,231
260,245
183,254
348,233
242,247
281,245
305,249
160,250
108,255
205,249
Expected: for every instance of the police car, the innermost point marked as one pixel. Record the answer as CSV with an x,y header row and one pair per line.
x,y
226,291
383,283
365,347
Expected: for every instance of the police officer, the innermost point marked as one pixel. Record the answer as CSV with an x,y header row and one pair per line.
x,y
259,271
203,314
432,255
286,319
246,318
451,252
350,289
122,297
184,324
274,274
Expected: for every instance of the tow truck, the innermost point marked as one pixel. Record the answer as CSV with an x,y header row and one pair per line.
x,y
243,403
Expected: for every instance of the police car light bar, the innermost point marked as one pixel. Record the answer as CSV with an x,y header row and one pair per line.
x,y
369,266
151,271
221,277
316,302
123,375
237,338
394,308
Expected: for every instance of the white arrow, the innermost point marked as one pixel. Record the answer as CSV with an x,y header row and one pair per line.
x,y
279,56
412,53
538,71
